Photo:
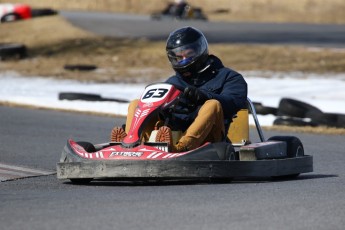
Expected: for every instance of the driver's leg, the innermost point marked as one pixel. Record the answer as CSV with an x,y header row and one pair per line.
x,y
208,126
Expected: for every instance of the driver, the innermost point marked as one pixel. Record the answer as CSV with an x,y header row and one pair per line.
x,y
177,8
212,95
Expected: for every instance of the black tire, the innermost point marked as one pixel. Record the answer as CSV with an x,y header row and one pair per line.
x,y
328,119
90,148
88,97
80,67
293,121
294,149
264,110
341,121
232,154
225,151
10,18
79,96
12,51
294,145
294,108
43,12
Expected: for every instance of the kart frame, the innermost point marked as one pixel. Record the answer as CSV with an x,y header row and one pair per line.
x,y
83,171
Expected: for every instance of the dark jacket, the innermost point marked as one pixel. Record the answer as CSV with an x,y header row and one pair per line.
x,y
217,82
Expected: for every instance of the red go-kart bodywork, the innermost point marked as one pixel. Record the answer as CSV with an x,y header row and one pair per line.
x,y
12,12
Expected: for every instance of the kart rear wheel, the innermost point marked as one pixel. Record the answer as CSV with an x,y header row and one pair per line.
x,y
294,145
294,149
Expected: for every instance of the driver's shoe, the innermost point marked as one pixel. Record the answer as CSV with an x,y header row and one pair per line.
x,y
164,135
117,134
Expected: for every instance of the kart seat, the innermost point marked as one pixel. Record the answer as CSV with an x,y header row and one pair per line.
x,y
239,128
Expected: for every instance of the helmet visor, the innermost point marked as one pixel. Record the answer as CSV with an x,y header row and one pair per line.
x,y
184,55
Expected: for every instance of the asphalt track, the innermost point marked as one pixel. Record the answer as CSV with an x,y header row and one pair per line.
x,y
35,138
141,26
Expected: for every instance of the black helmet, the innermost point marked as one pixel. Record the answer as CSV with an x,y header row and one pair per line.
x,y
187,50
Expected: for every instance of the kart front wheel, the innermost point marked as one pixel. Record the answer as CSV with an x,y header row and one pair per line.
x,y
90,148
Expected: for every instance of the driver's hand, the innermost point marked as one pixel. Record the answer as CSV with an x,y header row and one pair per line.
x,y
195,95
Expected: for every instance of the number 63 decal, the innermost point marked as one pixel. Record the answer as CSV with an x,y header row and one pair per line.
x,y
155,93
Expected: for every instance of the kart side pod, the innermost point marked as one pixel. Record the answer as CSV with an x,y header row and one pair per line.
x,y
263,150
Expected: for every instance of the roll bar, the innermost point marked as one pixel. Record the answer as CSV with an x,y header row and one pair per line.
x,y
257,124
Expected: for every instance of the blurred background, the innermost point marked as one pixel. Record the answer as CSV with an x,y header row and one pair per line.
x,y
313,11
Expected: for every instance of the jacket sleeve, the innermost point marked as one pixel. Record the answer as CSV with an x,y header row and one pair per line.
x,y
232,94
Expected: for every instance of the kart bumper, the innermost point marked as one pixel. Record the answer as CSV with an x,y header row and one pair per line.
x,y
172,169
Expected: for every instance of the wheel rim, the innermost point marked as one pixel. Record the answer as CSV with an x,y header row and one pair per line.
x,y
10,18
299,151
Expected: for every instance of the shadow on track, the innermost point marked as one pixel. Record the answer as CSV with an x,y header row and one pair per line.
x,y
203,181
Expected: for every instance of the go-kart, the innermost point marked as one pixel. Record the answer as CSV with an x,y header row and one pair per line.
x,y
13,12
189,13
133,159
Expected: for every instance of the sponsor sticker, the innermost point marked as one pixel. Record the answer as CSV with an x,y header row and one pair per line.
x,y
148,104
126,154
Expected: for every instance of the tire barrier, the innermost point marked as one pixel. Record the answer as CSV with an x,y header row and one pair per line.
x,y
312,116
292,112
80,67
328,119
87,97
294,108
12,51
264,110
294,121
43,12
